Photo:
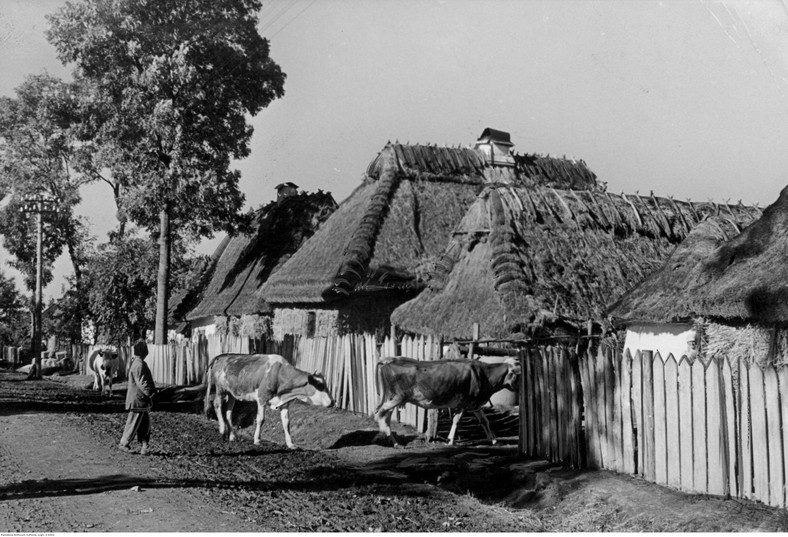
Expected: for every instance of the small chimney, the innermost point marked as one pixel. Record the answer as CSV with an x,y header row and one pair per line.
x,y
284,190
496,146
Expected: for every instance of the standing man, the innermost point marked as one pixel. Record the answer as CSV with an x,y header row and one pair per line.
x,y
139,397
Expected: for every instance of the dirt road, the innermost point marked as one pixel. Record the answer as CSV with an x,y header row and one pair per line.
x,y
63,473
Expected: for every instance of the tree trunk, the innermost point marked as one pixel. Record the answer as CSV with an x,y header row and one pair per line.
x,y
121,215
163,287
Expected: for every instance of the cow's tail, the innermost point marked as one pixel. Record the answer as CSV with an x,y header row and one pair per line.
x,y
379,385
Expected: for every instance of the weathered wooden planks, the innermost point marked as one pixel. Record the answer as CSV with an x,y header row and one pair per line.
x,y
760,453
672,437
773,425
685,425
660,424
717,468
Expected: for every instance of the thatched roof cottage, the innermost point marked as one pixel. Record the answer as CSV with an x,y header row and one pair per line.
x,y
527,260
245,261
734,296
380,246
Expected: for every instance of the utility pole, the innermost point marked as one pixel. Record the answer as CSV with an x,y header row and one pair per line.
x,y
39,204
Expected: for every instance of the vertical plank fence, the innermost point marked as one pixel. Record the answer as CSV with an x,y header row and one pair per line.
x,y
702,426
549,411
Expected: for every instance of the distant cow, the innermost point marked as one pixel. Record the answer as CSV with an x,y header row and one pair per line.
x,y
103,364
266,379
457,384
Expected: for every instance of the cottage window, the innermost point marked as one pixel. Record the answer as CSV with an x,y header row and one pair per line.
x,y
311,321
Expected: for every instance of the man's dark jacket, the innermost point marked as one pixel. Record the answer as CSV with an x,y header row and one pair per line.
x,y
139,394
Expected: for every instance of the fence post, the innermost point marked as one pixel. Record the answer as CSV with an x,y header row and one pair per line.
x,y
649,469
472,345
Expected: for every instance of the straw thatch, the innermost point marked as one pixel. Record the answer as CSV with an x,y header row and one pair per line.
x,y
743,280
184,300
647,301
389,234
526,258
247,260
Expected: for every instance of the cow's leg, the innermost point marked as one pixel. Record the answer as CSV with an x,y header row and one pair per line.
x,y
454,422
217,406
259,421
285,414
383,417
482,417
228,417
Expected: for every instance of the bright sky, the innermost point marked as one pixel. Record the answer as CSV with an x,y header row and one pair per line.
x,y
685,98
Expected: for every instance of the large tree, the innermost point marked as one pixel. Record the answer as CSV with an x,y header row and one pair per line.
x,y
177,80
38,146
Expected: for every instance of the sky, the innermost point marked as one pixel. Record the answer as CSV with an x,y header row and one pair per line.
x,y
683,98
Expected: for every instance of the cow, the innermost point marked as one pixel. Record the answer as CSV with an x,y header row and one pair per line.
x,y
103,364
455,384
266,379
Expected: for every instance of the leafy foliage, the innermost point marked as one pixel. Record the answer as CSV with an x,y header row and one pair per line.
x,y
121,282
38,143
122,276
63,316
14,321
175,80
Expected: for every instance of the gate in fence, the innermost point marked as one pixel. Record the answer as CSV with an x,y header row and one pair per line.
x,y
715,427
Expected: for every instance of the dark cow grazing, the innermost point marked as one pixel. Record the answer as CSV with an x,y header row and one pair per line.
x,y
457,384
103,365
266,379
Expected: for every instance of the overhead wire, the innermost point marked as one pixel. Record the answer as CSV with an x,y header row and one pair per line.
x,y
286,6
294,18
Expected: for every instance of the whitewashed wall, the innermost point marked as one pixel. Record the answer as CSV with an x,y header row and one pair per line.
x,y
677,339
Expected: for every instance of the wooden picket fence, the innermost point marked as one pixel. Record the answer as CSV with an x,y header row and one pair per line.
x,y
9,354
711,427
349,362
550,419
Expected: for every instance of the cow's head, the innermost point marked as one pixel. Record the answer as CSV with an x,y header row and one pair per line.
x,y
512,378
317,390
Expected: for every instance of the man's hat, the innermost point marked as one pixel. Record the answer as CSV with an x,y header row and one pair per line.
x,y
141,348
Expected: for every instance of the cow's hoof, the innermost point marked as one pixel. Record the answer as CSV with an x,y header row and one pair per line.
x,y
294,447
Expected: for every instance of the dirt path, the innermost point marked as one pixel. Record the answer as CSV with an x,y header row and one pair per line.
x,y
63,473
57,478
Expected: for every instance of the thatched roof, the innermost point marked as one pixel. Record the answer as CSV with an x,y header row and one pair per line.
x,y
647,301
524,257
742,280
184,300
248,260
388,234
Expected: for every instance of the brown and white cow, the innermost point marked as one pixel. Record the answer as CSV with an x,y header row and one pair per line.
x,y
266,379
103,364
456,384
